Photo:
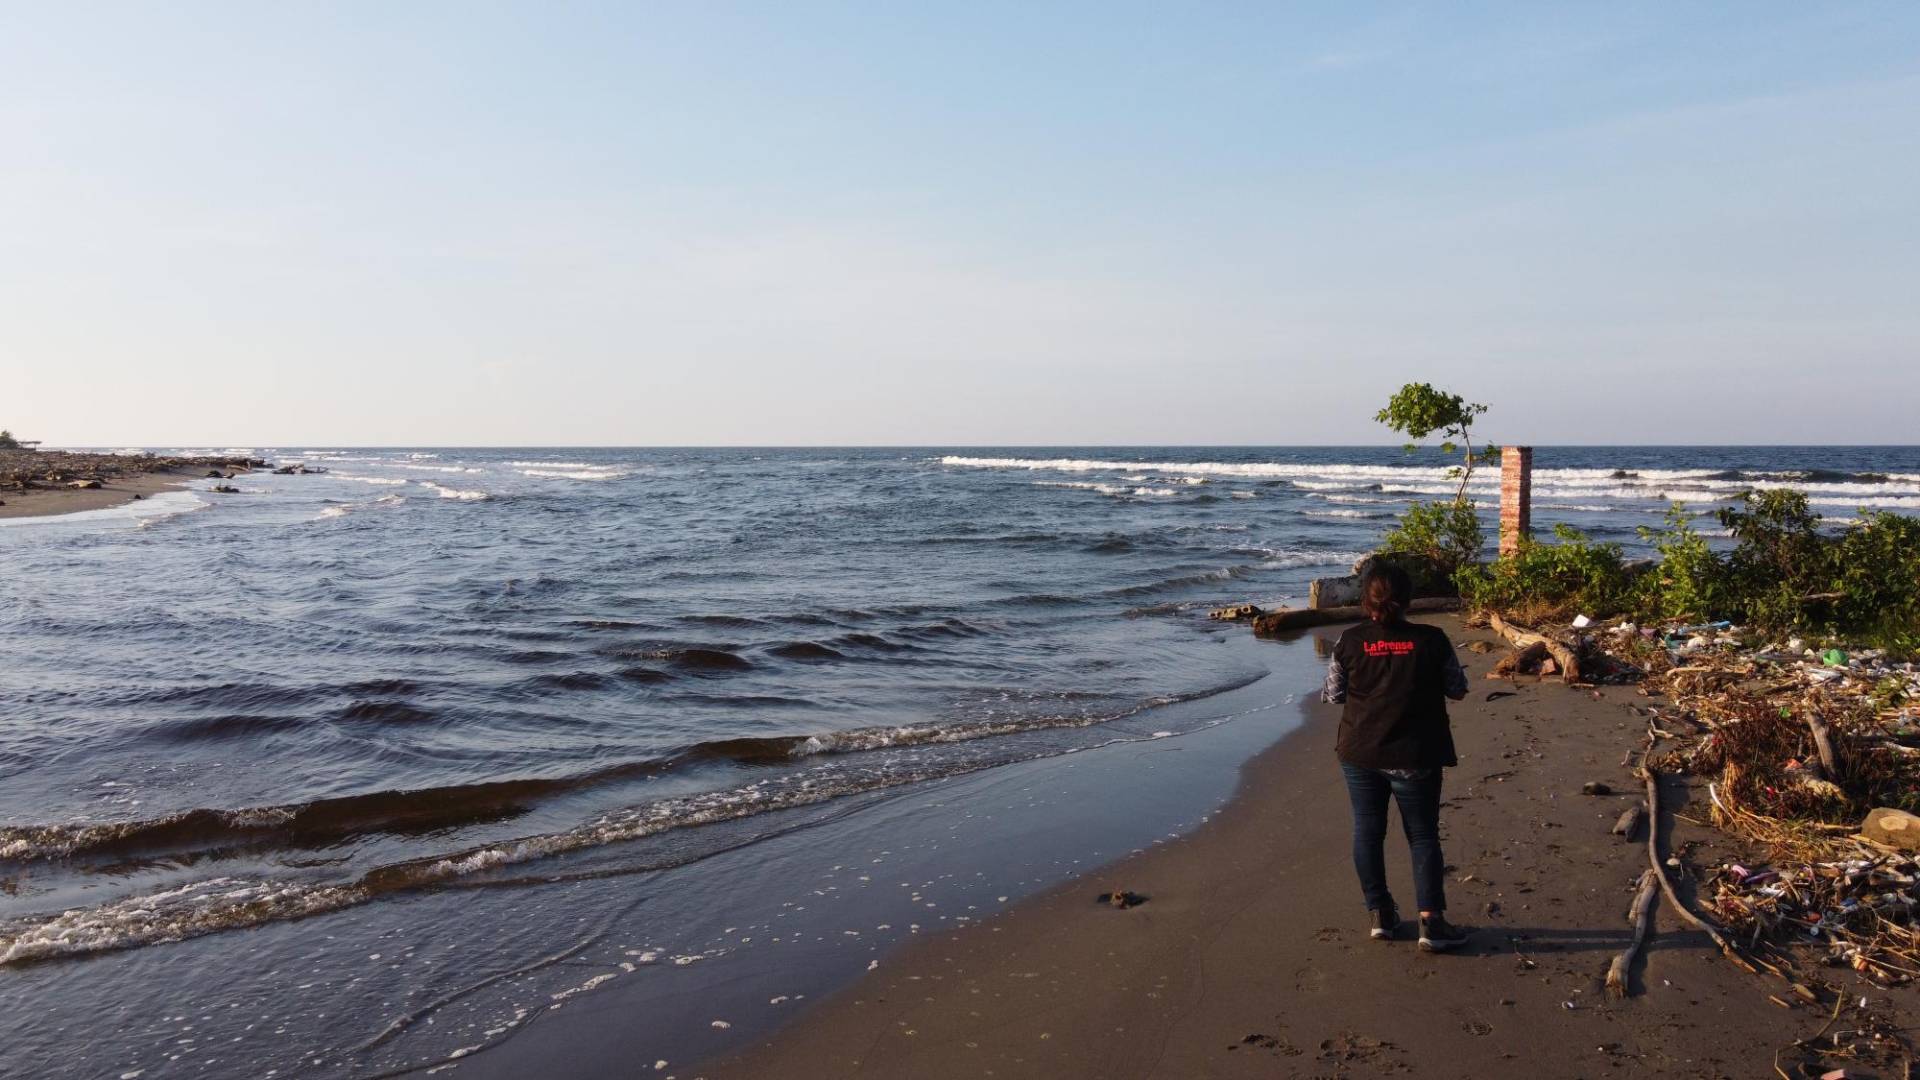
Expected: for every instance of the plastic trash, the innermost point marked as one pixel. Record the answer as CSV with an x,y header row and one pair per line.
x,y
1581,622
1834,658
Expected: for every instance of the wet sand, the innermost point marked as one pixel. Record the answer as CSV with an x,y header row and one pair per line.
x,y
1251,958
115,491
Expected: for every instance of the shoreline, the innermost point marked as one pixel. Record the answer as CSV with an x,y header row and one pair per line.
x,y
38,483
114,492
1250,956
820,912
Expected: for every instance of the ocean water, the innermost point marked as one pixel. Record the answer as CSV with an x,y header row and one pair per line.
x,y
245,725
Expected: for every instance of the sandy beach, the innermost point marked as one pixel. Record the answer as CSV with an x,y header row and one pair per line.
x,y
1250,957
117,491
40,483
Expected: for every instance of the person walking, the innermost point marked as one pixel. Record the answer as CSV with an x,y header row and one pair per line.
x,y
1393,678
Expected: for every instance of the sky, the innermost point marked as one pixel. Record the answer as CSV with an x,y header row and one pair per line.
x,y
955,224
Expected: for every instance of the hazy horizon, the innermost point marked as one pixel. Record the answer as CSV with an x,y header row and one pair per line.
x,y
1071,225
1427,451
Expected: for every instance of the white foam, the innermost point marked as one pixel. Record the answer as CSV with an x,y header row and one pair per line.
x,y
592,473
383,481
1660,484
139,513
1282,558
454,493
1115,490
1370,499
343,511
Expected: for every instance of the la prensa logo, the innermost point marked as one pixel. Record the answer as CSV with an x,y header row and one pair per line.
x,y
1389,648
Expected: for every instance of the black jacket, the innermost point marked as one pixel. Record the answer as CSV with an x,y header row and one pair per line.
x,y
1394,680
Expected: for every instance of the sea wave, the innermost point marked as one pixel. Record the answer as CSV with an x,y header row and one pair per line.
x,y
232,902
1342,513
607,473
454,493
1436,480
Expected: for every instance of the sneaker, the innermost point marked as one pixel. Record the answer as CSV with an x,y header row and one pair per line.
x,y
1386,922
1438,935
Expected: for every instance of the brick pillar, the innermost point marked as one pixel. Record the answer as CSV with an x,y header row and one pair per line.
x,y
1516,496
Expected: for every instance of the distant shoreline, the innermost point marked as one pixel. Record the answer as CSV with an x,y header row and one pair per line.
x,y
43,483
59,502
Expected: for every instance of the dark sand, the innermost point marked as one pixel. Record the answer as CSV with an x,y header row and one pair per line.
x,y
1251,958
116,491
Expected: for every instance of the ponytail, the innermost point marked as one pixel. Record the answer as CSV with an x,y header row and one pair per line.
x,y
1385,593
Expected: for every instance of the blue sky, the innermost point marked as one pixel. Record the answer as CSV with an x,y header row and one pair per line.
x,y
259,224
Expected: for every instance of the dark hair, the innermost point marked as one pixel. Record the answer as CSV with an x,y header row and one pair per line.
x,y
1385,593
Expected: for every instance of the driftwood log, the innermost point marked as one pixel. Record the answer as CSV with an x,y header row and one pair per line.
x,y
1641,916
1629,821
1714,933
1660,872
1523,638
1284,619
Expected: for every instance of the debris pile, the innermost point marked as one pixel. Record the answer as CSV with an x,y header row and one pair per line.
x,y
1811,754
1861,909
26,470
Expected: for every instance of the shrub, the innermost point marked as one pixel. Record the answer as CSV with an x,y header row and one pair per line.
x,y
1542,582
1689,581
1875,567
1779,559
8,442
1446,535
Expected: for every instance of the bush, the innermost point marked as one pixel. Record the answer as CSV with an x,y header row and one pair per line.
x,y
8,442
1446,535
1552,582
1779,559
1782,574
1876,571
1689,581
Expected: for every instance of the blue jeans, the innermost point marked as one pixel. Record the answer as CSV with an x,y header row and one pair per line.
x,y
1419,801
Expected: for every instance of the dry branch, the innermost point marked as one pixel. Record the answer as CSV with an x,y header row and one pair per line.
x,y
1641,915
1659,871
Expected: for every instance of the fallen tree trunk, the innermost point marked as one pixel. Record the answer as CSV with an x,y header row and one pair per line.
x,y
1523,638
1274,622
1641,915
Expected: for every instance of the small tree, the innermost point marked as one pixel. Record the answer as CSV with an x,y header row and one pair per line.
x,y
7,441
1417,410
1445,534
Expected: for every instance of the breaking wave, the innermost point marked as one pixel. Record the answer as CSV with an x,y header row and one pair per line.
x,y
454,493
233,902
